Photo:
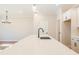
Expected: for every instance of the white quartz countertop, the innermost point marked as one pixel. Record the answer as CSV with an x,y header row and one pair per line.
x,y
33,46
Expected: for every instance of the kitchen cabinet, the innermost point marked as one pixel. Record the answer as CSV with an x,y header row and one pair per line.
x,y
67,15
77,17
75,43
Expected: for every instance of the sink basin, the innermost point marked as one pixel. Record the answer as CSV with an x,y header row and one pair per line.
x,y
45,38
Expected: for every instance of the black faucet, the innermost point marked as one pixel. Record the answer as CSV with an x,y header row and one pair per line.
x,y
39,32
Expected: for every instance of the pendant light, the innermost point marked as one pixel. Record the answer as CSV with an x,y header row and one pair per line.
x,y
6,21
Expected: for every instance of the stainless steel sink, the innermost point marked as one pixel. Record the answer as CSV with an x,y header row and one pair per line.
x,y
45,38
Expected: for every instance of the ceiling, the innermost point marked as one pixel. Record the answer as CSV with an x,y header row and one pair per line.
x,y
16,10
47,9
25,10
51,9
65,7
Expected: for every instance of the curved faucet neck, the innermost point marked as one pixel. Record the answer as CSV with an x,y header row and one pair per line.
x,y
39,32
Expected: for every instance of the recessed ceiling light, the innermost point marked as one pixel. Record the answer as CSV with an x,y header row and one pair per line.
x,y
34,4
57,4
6,19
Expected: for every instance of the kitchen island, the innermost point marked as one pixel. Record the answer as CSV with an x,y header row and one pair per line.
x,y
32,45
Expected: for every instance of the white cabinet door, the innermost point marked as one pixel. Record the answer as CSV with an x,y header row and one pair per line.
x,y
78,17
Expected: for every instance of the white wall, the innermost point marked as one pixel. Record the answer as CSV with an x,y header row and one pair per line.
x,y
40,21
52,26
22,22
17,30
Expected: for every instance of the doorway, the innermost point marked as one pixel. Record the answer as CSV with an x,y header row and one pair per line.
x,y
67,33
